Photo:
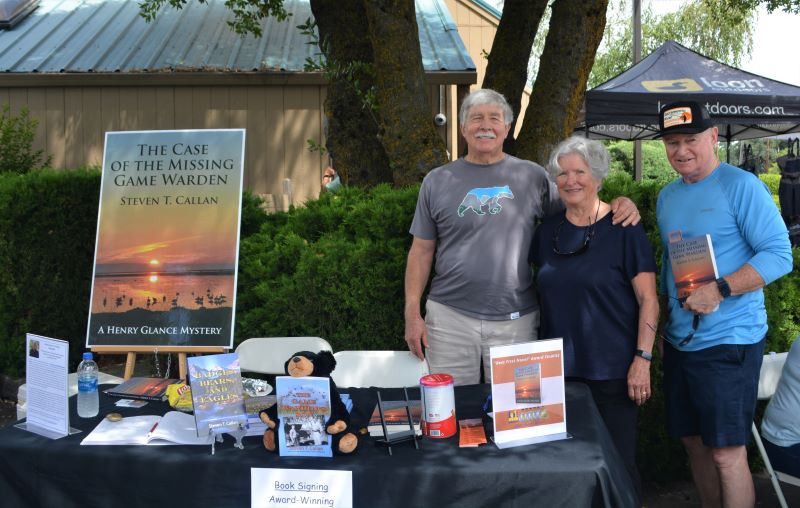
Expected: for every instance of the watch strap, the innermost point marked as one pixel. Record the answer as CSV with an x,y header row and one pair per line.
x,y
723,287
644,354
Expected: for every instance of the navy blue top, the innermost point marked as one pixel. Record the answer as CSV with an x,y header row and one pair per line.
x,y
588,299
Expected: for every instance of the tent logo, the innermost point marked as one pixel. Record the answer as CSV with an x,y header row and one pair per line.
x,y
672,85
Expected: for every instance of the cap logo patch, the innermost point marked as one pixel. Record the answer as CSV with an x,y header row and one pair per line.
x,y
677,116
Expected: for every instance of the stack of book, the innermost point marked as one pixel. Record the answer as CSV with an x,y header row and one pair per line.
x,y
143,388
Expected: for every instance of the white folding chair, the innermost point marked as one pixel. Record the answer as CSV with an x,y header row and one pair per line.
x,y
770,373
384,369
268,355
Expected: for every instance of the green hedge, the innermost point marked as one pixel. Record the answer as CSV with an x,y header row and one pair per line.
x,y
333,269
47,232
48,222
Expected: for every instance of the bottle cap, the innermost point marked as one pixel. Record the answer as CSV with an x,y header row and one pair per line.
x,y
87,356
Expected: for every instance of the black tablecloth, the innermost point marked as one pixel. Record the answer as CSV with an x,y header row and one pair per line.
x,y
582,471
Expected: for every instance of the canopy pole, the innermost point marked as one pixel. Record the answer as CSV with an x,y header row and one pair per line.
x,y
637,56
728,144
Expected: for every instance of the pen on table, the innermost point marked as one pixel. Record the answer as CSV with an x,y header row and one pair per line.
x,y
153,428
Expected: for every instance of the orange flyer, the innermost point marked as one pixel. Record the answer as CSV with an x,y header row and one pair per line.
x,y
471,433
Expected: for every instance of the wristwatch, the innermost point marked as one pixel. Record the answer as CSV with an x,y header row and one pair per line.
x,y
644,354
724,288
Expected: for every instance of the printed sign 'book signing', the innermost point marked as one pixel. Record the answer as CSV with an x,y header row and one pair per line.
x,y
165,261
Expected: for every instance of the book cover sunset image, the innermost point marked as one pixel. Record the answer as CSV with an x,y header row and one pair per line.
x,y
167,239
693,263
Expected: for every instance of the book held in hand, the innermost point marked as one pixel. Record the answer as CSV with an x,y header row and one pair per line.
x,y
395,416
173,428
144,388
693,263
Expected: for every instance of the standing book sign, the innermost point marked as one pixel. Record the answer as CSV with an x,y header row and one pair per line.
x,y
528,393
167,239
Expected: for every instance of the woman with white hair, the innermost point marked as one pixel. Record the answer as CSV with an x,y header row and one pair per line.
x,y
597,290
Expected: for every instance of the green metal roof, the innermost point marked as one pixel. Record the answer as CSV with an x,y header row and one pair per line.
x,y
109,36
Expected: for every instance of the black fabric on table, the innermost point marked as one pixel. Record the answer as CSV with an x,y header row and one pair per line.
x,y
578,472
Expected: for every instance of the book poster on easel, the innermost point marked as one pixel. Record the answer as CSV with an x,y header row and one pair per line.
x,y
166,255
528,393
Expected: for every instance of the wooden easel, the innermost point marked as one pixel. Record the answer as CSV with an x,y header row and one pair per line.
x,y
131,352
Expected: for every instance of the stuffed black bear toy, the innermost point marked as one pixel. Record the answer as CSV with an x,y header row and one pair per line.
x,y
303,364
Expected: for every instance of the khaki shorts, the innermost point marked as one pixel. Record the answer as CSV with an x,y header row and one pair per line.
x,y
457,344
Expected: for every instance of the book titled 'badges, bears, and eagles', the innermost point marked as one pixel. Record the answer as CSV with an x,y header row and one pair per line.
x,y
217,394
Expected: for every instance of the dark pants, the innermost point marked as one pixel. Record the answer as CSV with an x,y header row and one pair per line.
x,y
619,413
784,459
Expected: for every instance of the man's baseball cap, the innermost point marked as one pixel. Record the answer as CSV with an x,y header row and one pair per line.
x,y
683,117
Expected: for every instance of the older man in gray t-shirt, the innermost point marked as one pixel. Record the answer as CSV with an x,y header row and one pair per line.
x,y
477,216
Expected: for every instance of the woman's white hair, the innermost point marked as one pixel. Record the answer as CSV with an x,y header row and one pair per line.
x,y
485,96
593,153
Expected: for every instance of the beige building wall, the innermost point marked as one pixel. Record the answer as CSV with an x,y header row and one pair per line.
x,y
279,120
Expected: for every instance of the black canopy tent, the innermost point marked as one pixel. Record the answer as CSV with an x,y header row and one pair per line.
x,y
743,105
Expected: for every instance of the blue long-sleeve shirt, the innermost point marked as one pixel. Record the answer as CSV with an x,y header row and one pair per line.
x,y
737,210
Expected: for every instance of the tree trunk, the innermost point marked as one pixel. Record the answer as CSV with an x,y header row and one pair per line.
x,y
407,131
576,29
352,127
507,69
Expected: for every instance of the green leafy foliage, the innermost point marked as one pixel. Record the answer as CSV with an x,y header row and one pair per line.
x,y
47,233
715,28
16,142
358,75
790,6
48,222
247,14
772,182
655,166
332,269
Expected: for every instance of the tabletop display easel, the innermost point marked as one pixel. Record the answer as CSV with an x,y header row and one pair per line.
x,y
131,352
397,437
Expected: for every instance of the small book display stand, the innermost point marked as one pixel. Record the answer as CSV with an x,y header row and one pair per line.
x,y
399,436
237,434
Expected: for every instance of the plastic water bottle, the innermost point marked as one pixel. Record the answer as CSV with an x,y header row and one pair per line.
x,y
87,387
